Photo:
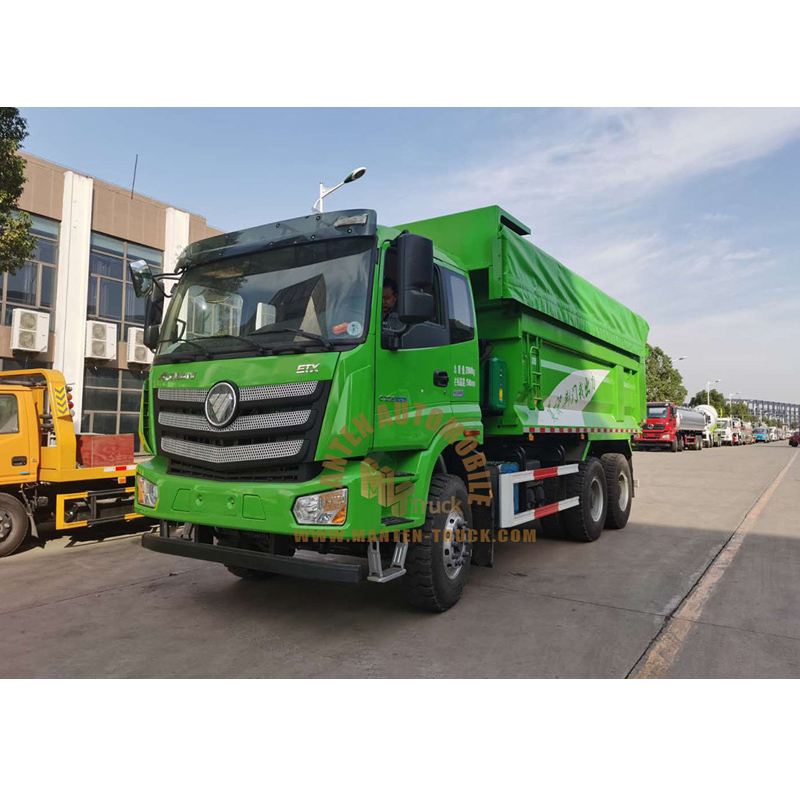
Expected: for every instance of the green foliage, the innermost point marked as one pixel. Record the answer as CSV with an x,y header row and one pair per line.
x,y
717,400
664,382
16,241
741,410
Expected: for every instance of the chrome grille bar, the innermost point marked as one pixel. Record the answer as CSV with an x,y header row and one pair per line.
x,y
225,455
250,422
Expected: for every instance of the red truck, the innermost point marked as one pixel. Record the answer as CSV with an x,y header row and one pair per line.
x,y
671,427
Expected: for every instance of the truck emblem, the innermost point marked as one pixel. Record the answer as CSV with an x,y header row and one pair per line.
x,y
304,368
221,402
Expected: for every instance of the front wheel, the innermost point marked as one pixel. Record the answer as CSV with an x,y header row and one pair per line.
x,y
438,561
14,524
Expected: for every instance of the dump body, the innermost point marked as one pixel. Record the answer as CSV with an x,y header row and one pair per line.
x,y
574,355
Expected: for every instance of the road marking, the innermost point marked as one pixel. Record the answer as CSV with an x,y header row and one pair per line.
x,y
670,640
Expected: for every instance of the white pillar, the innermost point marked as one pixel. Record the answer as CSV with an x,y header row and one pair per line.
x,y
176,237
73,284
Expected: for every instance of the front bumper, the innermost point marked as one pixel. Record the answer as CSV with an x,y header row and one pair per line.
x,y
263,507
298,566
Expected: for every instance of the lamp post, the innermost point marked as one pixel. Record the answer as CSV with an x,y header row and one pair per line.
x,y
324,191
708,390
730,407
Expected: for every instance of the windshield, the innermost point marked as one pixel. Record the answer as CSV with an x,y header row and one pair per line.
x,y
656,412
760,430
307,296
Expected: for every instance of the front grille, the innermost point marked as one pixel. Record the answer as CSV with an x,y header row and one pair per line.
x,y
214,453
249,422
274,427
287,473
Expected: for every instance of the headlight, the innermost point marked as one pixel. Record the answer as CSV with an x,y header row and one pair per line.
x,y
665,436
328,508
146,492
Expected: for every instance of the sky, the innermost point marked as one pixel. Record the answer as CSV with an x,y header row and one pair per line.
x,y
691,217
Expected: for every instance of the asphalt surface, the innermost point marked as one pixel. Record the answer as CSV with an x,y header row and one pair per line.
x,y
549,609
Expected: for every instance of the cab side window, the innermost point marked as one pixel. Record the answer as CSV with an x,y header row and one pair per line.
x,y
461,320
9,414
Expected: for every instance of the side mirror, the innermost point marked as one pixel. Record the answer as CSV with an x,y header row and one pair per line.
x,y
153,313
415,302
141,278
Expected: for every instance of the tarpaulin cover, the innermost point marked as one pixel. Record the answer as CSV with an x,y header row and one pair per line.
x,y
492,239
537,280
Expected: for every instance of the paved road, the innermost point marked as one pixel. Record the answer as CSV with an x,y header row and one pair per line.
x,y
549,609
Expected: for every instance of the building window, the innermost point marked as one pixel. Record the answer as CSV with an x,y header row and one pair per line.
x,y
34,286
111,399
111,297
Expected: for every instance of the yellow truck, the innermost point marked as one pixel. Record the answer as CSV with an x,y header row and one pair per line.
x,y
40,477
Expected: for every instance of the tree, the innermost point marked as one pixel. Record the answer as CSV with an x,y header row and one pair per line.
x,y
741,410
16,241
718,401
664,382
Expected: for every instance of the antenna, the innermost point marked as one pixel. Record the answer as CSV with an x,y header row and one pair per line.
x,y
135,164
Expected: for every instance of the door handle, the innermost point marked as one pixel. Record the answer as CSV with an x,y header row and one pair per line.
x,y
440,378
19,461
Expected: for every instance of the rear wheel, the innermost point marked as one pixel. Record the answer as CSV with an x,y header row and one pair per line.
x,y
438,562
619,494
680,444
14,524
584,522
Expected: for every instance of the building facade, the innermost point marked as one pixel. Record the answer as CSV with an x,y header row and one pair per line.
x,y
72,307
788,413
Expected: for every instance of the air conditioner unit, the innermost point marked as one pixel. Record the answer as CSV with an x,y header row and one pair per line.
x,y
29,330
137,352
101,340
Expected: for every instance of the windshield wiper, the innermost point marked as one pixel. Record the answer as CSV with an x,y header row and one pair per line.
x,y
263,351
313,336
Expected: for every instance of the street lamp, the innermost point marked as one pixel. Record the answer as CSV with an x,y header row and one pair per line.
x,y
324,192
708,390
730,407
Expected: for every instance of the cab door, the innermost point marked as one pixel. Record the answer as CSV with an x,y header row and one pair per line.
x,y
18,451
413,383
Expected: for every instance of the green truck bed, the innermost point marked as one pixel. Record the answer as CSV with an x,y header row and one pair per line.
x,y
575,356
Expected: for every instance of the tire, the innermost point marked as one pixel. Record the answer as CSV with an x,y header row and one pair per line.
x,y
14,524
673,446
680,444
619,490
437,566
584,522
248,574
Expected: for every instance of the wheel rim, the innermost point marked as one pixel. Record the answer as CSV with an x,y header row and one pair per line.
x,y
596,497
624,491
454,547
6,525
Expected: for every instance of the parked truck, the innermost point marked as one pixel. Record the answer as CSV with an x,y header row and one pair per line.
x,y
409,395
671,427
730,430
711,437
41,477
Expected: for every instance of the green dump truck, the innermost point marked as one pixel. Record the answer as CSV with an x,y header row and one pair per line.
x,y
326,387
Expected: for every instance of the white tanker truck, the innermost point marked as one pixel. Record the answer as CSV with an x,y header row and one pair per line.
x,y
711,436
